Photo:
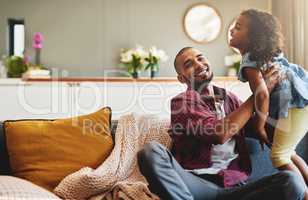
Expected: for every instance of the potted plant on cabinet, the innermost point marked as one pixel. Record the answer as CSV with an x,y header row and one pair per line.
x,y
15,66
133,60
154,57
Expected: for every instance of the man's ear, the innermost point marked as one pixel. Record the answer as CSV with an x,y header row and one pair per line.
x,y
181,78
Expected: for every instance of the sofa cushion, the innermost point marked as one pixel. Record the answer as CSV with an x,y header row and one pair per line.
x,y
16,188
45,151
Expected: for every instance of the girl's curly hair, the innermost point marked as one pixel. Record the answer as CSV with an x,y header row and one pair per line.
x,y
264,35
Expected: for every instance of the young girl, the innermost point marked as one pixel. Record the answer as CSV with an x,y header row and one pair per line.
x,y
258,37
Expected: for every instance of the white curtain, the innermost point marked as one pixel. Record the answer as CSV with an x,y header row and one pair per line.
x,y
294,19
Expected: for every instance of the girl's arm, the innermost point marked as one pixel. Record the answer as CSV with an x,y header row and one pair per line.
x,y
261,94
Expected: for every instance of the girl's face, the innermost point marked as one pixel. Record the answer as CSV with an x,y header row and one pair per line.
x,y
239,34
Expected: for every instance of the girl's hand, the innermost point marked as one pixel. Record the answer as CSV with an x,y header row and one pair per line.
x,y
263,139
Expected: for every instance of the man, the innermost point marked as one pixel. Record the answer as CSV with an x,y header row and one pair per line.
x,y
211,160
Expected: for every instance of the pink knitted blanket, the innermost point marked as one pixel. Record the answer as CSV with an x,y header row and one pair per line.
x,y
118,177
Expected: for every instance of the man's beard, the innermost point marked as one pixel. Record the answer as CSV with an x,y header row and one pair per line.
x,y
200,85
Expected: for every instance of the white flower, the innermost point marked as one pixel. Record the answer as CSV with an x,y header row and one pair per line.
x,y
228,61
126,56
140,52
231,59
158,53
153,51
236,58
138,58
163,56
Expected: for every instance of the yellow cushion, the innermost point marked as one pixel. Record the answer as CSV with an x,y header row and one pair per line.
x,y
45,151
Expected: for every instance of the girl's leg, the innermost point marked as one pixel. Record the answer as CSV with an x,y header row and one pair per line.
x,y
292,167
301,165
288,133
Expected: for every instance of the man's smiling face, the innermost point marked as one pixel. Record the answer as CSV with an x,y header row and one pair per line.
x,y
193,67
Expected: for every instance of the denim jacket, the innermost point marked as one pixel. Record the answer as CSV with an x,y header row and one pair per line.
x,y
290,93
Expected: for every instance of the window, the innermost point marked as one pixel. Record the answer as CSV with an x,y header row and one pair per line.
x,y
16,45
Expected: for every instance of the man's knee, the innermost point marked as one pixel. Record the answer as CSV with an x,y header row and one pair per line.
x,y
149,150
149,155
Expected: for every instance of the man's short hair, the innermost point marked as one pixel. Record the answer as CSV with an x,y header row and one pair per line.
x,y
179,54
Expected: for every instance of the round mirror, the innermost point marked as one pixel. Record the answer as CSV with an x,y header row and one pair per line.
x,y
202,23
229,36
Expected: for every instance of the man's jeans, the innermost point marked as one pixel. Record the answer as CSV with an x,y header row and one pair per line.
x,y
170,181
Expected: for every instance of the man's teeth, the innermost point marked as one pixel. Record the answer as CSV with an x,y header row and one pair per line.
x,y
202,73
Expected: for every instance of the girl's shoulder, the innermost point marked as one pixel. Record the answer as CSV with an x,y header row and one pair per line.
x,y
246,62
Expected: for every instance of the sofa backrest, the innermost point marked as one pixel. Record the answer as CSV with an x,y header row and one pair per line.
x,y
4,157
259,159
114,125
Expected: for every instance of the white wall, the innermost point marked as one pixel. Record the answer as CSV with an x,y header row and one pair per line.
x,y
87,35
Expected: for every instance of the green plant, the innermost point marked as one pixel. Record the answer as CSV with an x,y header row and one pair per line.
x,y
15,66
135,65
133,59
137,59
236,65
233,61
152,63
154,57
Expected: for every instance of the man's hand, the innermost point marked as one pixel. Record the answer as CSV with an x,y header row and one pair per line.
x,y
272,76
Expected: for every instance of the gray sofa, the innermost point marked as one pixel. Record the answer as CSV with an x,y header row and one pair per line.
x,y
261,164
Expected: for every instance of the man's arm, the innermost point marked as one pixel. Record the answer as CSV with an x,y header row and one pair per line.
x,y
188,116
234,122
191,117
